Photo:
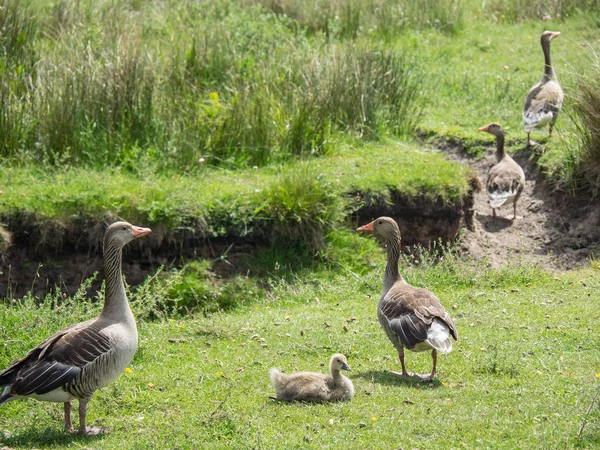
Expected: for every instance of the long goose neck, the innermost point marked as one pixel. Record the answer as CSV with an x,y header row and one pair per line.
x,y
115,300
500,146
393,256
548,70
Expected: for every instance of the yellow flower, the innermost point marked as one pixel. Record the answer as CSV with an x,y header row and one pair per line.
x,y
598,375
150,385
181,326
128,370
268,307
374,419
219,373
214,96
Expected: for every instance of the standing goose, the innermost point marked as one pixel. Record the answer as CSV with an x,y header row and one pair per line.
x,y
506,179
78,360
314,387
545,99
411,317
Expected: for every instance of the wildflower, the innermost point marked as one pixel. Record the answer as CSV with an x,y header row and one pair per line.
x,y
128,370
374,419
214,96
150,385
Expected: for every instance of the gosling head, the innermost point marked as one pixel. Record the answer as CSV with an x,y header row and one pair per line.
x,y
339,362
493,128
120,234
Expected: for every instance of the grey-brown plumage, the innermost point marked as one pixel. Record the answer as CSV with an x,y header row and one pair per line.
x,y
411,317
545,99
506,179
78,360
312,386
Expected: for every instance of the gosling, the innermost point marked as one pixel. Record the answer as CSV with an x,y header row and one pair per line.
x,y
314,387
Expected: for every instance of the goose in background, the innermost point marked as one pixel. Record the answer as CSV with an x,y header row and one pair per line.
x,y
78,360
506,179
411,317
314,387
544,100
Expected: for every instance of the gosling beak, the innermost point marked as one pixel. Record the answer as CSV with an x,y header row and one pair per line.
x,y
138,232
367,227
485,128
345,366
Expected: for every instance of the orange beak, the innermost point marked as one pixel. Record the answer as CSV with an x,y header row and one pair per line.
x,y
367,227
138,232
485,128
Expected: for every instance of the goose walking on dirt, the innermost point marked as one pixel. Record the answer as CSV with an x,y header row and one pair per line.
x,y
506,179
314,387
544,100
411,317
78,360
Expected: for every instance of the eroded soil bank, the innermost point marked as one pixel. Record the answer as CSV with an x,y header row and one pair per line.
x,y
43,257
558,231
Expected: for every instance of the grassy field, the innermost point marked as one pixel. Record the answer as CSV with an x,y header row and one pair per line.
x,y
282,119
522,374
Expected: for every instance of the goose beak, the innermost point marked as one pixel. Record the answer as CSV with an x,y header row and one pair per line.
x,y
367,227
555,34
346,367
138,232
485,128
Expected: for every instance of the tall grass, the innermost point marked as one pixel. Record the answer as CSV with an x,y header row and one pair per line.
x,y
587,111
520,10
350,19
227,82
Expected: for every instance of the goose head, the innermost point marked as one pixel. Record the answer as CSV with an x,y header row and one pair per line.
x,y
338,362
120,234
385,228
493,128
548,36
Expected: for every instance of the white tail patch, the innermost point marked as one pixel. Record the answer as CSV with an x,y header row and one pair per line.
x,y
438,336
498,198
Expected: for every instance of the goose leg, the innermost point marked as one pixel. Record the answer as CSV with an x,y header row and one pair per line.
x,y
493,212
404,373
82,428
68,423
515,217
550,130
434,357
530,143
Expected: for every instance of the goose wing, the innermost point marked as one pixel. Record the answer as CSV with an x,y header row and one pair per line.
x,y
56,361
416,315
505,181
542,104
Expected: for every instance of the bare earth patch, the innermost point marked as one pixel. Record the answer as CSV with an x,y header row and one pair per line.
x,y
557,230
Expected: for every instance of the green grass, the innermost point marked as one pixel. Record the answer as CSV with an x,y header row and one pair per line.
x,y
298,201
521,375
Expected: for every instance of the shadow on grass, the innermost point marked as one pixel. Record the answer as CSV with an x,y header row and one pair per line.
x,y
388,378
49,437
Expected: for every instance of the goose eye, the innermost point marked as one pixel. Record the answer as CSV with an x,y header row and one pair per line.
x,y
380,222
124,227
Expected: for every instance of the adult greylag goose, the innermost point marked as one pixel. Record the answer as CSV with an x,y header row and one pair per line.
x,y
506,179
411,317
314,387
78,360
545,99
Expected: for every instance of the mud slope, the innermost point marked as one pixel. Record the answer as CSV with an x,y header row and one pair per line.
x,y
557,230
